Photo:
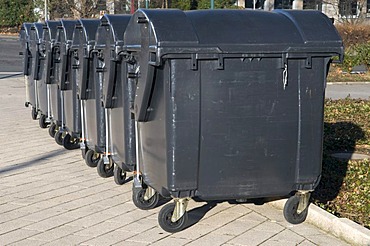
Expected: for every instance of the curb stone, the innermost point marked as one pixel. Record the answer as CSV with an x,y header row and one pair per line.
x,y
341,227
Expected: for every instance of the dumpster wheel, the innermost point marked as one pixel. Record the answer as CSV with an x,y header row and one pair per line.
x,y
92,158
139,200
119,175
291,213
59,137
105,170
70,143
84,151
164,219
34,113
42,121
52,130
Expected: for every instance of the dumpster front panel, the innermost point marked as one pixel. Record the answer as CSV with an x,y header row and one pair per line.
x,y
170,137
122,120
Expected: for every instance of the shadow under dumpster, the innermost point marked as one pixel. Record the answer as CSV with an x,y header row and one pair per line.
x,y
339,137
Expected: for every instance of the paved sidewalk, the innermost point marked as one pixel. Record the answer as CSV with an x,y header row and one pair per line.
x,y
48,196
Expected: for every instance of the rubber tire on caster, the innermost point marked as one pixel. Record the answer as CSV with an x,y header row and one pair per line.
x,y
84,151
70,143
42,121
52,130
59,137
90,159
26,104
138,199
119,175
164,219
290,211
105,170
34,113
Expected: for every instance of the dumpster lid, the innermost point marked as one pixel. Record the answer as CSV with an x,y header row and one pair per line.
x,y
36,31
89,27
25,32
50,30
117,23
237,30
65,30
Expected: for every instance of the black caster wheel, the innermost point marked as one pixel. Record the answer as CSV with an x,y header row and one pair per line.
x,y
42,121
290,211
34,113
26,104
119,175
92,158
52,130
70,143
105,170
164,219
140,202
59,137
83,152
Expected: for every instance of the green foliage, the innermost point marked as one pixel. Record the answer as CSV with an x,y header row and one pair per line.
x,y
219,4
356,55
344,189
184,4
15,12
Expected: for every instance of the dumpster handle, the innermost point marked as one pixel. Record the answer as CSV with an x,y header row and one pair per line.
x,y
143,95
108,102
26,65
49,67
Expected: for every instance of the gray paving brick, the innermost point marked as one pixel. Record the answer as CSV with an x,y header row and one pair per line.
x,y
50,223
55,233
99,229
152,235
108,238
15,236
68,240
212,239
325,239
171,241
27,242
13,225
286,237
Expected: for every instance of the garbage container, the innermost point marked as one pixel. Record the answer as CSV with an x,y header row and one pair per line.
x,y
25,53
92,118
38,64
37,94
235,113
83,32
48,41
60,76
116,98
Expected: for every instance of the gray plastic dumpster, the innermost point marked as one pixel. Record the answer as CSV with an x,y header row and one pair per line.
x,y
83,32
26,54
92,119
48,41
116,99
61,73
38,64
235,113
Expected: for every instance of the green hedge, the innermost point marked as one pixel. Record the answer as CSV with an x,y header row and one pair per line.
x,y
15,12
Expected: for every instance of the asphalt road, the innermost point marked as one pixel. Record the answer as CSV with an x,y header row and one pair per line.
x,y
11,62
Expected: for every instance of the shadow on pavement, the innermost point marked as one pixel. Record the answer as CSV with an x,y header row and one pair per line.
x,y
6,76
35,161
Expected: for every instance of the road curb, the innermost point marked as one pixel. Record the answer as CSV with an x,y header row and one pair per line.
x,y
343,228
349,83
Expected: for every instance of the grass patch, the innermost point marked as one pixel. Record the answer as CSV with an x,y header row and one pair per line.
x,y
344,189
336,75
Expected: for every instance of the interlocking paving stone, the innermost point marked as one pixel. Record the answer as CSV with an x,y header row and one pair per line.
x,y
48,196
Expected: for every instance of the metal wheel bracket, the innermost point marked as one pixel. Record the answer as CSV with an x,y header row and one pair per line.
x,y
82,145
137,182
304,198
149,193
180,208
106,160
